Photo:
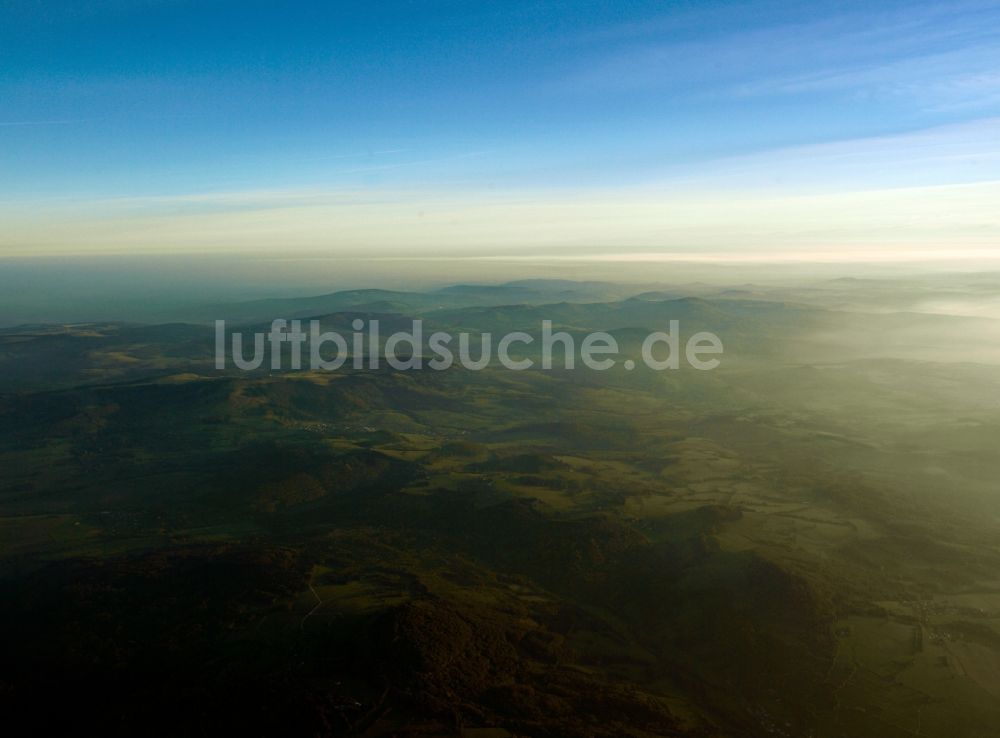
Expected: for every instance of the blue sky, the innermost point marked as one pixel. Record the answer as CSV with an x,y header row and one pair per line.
x,y
121,115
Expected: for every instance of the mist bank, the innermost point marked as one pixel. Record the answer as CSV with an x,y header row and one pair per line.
x,y
148,288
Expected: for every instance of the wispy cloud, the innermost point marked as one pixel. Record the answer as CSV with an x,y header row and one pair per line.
x,y
357,155
965,78
934,55
941,155
6,123
901,222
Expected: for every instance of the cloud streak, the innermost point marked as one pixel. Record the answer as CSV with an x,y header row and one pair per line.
x,y
931,55
899,223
